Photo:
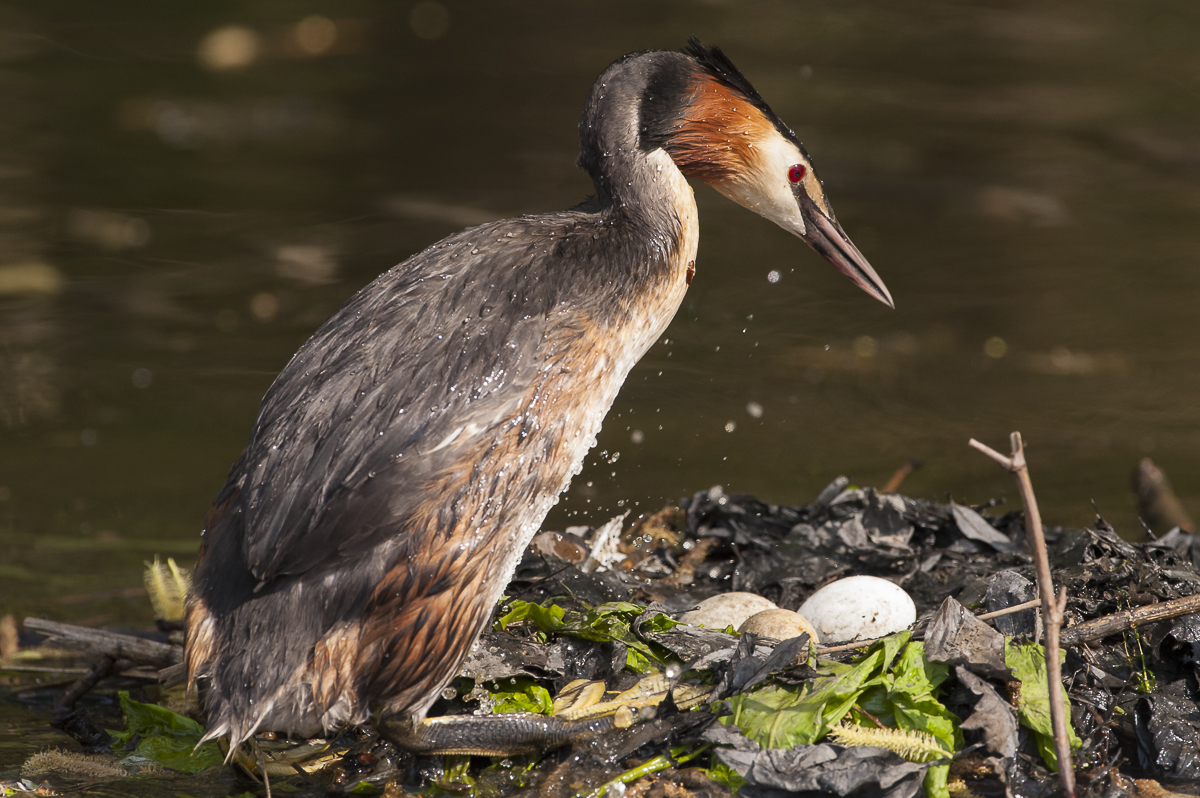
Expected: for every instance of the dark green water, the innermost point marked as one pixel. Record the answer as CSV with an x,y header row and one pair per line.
x,y
1026,171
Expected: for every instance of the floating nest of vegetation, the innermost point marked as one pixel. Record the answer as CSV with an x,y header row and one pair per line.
x,y
954,706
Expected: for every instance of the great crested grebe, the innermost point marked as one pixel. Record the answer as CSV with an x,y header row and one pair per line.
x,y
408,452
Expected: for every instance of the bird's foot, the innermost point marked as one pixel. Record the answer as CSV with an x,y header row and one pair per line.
x,y
580,713
274,757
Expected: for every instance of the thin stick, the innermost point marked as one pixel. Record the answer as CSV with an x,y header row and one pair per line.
x,y
262,766
66,702
984,617
1052,608
901,474
1096,629
76,722
918,636
848,646
1028,605
1007,462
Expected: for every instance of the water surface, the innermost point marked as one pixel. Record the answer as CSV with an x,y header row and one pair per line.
x,y
182,203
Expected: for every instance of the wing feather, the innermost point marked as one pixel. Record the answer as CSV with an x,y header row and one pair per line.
x,y
418,367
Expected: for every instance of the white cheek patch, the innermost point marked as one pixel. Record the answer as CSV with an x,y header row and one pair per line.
x,y
764,186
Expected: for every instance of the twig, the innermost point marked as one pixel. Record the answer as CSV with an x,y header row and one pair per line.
x,y
1028,605
99,671
901,474
878,723
75,721
1052,608
918,636
1096,629
1128,619
847,646
173,676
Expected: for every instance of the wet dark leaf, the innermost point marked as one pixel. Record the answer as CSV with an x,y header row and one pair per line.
x,y
976,527
955,636
993,717
827,770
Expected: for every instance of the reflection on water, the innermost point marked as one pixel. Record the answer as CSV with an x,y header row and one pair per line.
x,y
185,196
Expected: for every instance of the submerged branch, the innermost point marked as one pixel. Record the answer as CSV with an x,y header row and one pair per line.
x,y
113,644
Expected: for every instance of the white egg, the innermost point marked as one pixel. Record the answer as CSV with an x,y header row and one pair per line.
x,y
859,608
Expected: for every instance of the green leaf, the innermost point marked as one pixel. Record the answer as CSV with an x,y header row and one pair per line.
x,y
521,694
614,622
166,737
546,619
611,622
726,776
1028,664
893,681
906,698
659,623
783,717
937,782
637,662
917,673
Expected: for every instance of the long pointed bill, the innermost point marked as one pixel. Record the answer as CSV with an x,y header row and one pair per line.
x,y
826,236
772,176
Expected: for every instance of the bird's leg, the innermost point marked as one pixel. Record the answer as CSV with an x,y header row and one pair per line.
x,y
497,735
579,714
649,692
267,757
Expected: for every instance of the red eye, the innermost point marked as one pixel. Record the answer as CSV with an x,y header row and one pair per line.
x,y
796,172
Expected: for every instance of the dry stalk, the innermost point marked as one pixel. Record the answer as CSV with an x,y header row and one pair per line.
x,y
1028,605
1052,608
901,474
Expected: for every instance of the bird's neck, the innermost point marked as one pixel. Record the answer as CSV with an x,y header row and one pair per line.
x,y
631,176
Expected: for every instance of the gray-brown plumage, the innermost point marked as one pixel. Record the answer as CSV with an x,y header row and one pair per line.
x,y
404,458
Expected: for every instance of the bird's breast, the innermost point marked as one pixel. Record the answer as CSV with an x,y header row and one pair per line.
x,y
587,359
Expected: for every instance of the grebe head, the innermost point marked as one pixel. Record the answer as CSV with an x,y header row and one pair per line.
x,y
699,108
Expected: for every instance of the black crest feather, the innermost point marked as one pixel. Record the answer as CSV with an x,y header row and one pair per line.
x,y
714,60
